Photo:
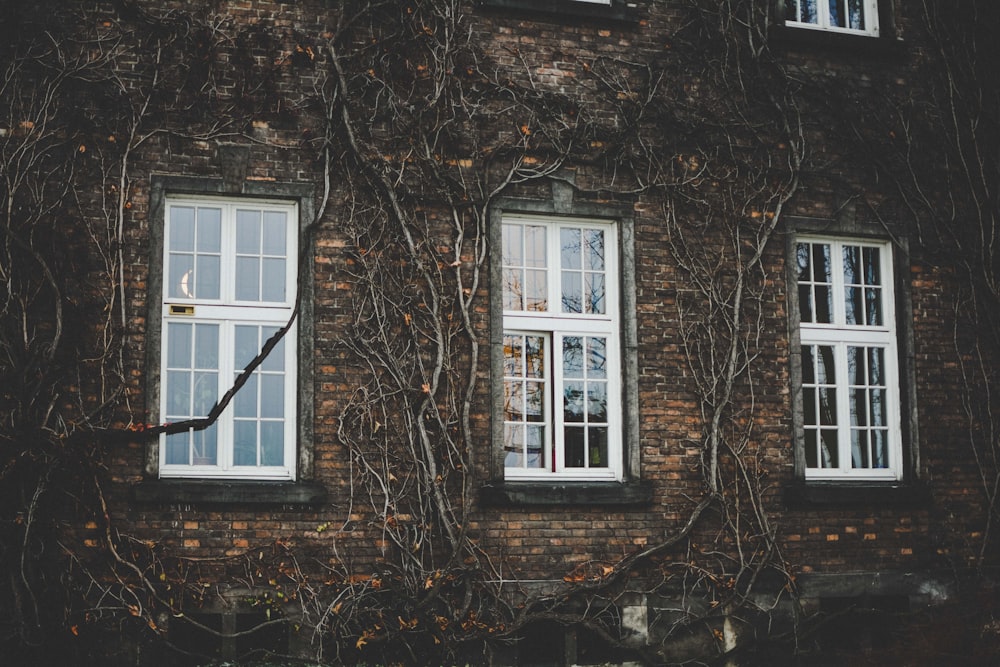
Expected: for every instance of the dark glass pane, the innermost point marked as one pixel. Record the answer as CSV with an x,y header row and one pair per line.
x,y
808,365
534,401
878,407
811,446
828,449
837,13
805,303
822,271
856,14
852,259
598,446
824,304
880,448
872,267
859,407
854,308
573,440
859,449
826,372
828,407
856,362
810,417
876,366
802,261
873,298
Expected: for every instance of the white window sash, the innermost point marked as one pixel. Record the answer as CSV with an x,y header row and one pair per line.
x,y
840,337
870,9
228,314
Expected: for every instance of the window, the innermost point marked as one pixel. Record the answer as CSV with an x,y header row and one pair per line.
x,y
562,405
849,360
847,16
229,284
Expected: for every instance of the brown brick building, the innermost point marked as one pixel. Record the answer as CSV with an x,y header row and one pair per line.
x,y
564,332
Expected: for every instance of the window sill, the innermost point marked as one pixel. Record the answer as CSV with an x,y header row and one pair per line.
x,y
842,43
820,495
587,494
235,492
616,11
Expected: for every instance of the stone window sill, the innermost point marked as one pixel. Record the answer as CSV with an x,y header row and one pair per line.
x,y
820,495
227,492
575,494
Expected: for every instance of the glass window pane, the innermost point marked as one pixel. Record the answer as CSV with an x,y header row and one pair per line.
x,y
597,402
512,289
182,228
822,268
274,233
536,289
573,440
206,353
823,304
570,251
181,276
534,351
272,444
177,448
826,373
837,17
853,306
535,446
856,14
534,401
244,443
513,445
178,394
829,454
856,365
534,247
828,407
597,445
247,346
595,293
205,446
859,449
209,230
512,356
206,392
572,356
873,300
805,303
248,232
513,400
859,407
245,401
272,396
275,360
178,345
808,365
809,407
247,279
597,357
812,449
880,448
273,279
594,249
208,276
512,237
802,261
573,401
572,292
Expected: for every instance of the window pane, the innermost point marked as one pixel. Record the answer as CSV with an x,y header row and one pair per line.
x,y
880,448
829,454
178,394
573,441
597,358
179,345
594,249
275,360
534,246
182,228
208,276
534,350
181,276
513,445
206,353
273,279
274,233
826,372
248,232
597,437
570,252
513,403
245,401
247,346
572,356
597,402
573,396
856,14
206,446
828,407
859,449
534,401
272,443
209,230
244,443
536,290
512,356
513,292
837,17
247,279
177,449
206,392
572,292
513,254
812,449
595,292
535,447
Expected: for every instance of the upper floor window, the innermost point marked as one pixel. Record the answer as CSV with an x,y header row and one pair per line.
x,y
562,405
848,16
850,387
229,284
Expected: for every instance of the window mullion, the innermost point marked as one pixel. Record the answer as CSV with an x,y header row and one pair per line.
x,y
558,464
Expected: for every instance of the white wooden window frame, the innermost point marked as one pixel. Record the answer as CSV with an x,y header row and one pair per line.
x,y
228,313
840,336
870,8
554,326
